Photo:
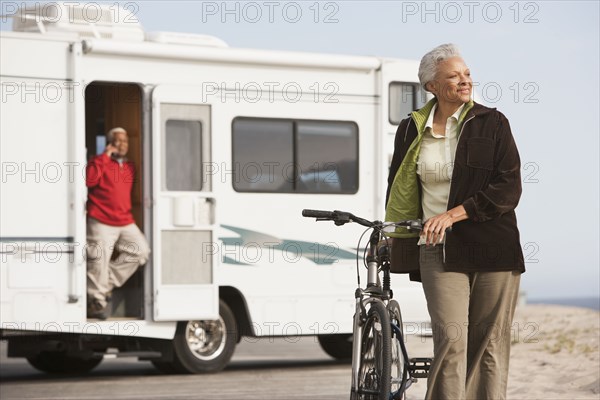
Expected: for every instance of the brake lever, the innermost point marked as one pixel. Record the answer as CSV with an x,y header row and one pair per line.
x,y
415,226
341,218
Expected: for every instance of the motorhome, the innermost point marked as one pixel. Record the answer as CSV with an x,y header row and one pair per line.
x,y
229,145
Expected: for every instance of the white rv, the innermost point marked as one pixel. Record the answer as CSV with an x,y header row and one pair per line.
x,y
229,146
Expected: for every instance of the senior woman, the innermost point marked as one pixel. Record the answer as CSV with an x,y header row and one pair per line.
x,y
456,165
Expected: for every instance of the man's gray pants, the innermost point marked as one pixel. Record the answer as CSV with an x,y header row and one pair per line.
x,y
104,274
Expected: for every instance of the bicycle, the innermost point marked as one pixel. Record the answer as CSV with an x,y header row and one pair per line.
x,y
381,368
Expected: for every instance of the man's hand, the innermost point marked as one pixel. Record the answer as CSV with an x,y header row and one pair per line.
x,y
110,149
435,227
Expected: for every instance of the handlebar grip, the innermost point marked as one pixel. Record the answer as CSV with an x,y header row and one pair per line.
x,y
317,214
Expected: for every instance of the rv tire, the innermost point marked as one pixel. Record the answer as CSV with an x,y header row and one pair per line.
x,y
205,346
337,346
167,367
56,362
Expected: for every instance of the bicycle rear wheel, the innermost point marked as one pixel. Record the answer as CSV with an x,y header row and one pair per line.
x,y
375,357
398,370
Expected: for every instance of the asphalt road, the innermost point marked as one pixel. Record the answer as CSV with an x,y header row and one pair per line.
x,y
278,369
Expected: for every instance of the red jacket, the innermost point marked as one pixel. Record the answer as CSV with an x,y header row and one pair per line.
x,y
109,190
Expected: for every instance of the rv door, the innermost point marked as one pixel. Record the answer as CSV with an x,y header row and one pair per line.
x,y
184,208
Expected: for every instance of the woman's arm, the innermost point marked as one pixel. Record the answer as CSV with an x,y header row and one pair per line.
x,y
435,227
504,190
399,142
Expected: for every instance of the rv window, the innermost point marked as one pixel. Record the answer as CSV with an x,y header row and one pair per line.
x,y
405,97
327,157
295,156
183,144
262,155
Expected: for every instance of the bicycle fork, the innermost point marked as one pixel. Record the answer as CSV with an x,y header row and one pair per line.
x,y
359,315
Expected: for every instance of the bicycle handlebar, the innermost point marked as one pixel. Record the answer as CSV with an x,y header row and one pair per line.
x,y
317,214
338,217
343,217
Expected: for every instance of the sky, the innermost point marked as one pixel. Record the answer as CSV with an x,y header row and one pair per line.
x,y
536,61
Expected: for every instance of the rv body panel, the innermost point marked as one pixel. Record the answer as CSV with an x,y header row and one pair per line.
x,y
295,276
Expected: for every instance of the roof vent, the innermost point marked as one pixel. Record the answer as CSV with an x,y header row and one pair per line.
x,y
190,39
85,19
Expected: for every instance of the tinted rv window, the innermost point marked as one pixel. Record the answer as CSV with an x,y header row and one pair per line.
x,y
295,156
327,157
404,98
262,155
183,155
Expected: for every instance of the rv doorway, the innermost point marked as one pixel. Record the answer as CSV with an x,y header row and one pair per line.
x,y
109,105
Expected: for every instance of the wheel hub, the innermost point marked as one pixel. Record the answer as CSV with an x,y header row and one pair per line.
x,y
206,339
200,334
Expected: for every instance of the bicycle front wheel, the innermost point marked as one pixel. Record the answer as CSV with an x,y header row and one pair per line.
x,y
375,357
399,372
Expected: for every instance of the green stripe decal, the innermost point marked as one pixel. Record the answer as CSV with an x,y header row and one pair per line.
x,y
319,253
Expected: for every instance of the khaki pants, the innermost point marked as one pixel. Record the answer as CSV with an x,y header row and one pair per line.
x,y
471,316
103,274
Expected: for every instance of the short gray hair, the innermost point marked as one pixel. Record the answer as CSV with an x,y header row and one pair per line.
x,y
430,61
110,135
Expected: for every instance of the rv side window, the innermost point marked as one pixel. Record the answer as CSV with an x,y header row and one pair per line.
x,y
405,97
183,146
327,157
263,154
295,156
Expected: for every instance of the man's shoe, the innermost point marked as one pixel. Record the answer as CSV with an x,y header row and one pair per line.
x,y
95,310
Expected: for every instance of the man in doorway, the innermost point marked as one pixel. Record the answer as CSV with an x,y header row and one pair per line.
x,y
110,224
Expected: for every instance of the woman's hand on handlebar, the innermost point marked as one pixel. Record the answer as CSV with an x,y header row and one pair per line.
x,y
434,228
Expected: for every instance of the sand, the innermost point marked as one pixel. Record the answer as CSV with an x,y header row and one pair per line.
x,y
555,354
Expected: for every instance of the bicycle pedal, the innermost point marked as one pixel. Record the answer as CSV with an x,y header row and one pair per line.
x,y
419,367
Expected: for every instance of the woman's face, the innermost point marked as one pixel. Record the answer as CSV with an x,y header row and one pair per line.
x,y
452,83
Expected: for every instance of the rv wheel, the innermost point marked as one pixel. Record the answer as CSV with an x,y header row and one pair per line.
x,y
337,346
205,346
59,363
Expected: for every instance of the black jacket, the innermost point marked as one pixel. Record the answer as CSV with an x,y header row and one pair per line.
x,y
486,180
